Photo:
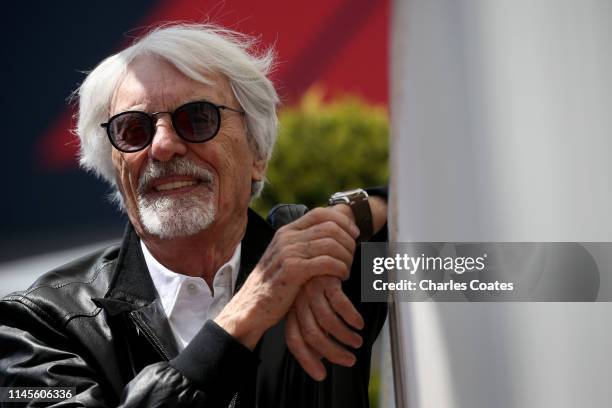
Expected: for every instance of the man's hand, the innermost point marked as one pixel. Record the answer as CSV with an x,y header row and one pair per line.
x,y
322,318
321,243
317,324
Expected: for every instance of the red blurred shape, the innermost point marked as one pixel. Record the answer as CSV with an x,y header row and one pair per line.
x,y
58,149
339,44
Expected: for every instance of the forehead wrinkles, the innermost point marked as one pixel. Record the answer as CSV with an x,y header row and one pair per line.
x,y
133,91
153,84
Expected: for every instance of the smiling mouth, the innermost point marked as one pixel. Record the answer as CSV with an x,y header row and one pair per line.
x,y
173,185
177,185
178,176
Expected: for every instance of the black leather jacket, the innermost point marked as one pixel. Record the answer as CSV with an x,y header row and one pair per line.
x,y
97,324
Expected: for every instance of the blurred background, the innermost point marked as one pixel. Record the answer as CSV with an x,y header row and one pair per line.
x,y
333,85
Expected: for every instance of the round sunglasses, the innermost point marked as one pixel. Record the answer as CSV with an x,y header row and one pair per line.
x,y
194,122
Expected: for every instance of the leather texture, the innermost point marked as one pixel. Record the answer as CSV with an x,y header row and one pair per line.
x,y
282,214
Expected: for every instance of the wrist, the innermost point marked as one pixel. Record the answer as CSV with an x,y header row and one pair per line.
x,y
242,324
378,206
357,200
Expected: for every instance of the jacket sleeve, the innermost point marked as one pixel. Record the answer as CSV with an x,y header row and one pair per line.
x,y
36,352
382,192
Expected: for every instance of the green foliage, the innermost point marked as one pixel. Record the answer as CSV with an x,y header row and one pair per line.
x,y
324,147
374,388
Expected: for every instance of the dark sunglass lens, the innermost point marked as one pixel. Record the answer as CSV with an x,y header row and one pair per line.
x,y
197,122
131,131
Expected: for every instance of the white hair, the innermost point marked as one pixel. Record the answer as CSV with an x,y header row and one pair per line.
x,y
194,49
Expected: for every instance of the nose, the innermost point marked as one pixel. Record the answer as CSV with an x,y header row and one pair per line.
x,y
166,143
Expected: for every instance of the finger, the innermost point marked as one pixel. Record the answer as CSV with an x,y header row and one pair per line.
x,y
325,246
305,269
326,317
308,359
321,215
317,339
342,305
326,229
332,230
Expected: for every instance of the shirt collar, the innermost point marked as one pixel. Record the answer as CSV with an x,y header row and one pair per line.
x,y
168,283
131,286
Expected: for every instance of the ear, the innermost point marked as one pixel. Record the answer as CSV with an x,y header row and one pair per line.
x,y
258,172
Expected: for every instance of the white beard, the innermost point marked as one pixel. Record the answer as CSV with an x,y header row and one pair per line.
x,y
171,217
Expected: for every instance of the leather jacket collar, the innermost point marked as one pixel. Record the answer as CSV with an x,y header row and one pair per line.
x,y
132,291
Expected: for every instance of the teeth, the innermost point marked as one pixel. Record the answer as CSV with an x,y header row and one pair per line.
x,y
175,184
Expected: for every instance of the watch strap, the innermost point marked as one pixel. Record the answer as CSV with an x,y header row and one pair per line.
x,y
357,200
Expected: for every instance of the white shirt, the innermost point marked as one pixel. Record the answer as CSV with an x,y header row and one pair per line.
x,y
187,300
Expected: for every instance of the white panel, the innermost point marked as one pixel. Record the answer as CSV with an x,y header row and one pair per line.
x,y
502,131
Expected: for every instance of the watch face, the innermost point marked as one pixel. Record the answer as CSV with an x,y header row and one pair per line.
x,y
347,196
350,193
338,198
355,191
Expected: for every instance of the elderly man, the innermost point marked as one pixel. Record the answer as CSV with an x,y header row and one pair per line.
x,y
204,303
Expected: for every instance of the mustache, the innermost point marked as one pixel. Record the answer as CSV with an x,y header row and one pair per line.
x,y
178,166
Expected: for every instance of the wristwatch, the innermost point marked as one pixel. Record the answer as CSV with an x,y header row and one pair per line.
x,y
358,201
